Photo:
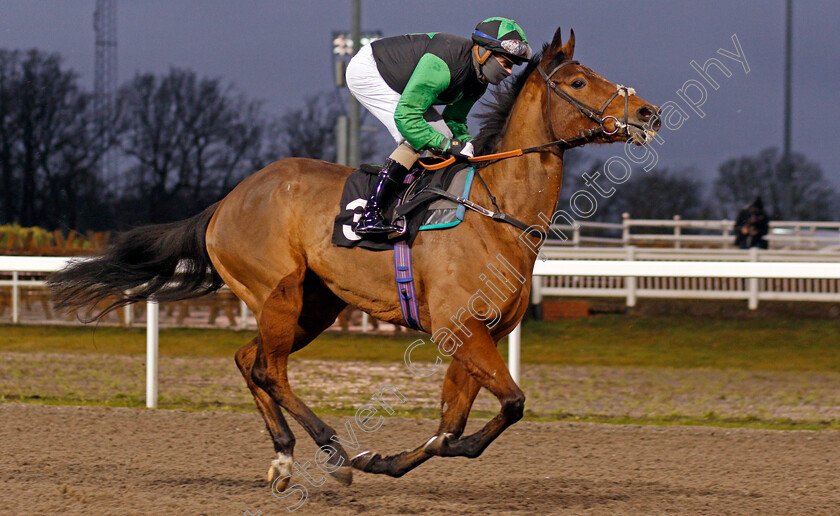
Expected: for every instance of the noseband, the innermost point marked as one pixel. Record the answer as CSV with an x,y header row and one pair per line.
x,y
596,115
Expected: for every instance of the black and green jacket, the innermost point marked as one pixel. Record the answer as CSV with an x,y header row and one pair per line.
x,y
429,69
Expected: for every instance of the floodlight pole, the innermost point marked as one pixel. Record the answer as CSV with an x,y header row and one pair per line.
x,y
786,162
355,124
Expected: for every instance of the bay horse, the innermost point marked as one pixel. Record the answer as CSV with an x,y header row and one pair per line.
x,y
269,241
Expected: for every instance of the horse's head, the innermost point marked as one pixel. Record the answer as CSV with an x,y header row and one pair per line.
x,y
575,93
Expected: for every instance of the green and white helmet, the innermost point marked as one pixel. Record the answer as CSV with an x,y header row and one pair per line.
x,y
504,36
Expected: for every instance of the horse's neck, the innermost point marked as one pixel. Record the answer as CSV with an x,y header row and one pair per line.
x,y
528,185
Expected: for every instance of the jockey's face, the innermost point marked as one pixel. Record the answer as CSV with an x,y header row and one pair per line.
x,y
506,63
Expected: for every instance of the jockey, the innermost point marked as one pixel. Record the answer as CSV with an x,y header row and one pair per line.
x,y
400,78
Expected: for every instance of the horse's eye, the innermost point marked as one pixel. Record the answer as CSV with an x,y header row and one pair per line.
x,y
578,84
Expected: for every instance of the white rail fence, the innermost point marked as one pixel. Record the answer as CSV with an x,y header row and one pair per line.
x,y
28,272
681,282
631,269
604,268
678,233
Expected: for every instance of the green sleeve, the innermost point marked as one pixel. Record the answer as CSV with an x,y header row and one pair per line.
x,y
455,116
430,79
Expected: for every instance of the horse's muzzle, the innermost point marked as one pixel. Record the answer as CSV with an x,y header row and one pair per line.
x,y
649,116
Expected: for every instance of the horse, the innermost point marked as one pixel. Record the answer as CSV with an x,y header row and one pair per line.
x,y
269,241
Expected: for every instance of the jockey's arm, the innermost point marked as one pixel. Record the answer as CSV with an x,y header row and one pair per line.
x,y
429,79
455,116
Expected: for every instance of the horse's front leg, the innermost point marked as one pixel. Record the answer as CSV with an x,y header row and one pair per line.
x,y
459,392
281,434
480,358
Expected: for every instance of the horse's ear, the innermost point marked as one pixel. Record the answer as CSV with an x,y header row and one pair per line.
x,y
557,42
569,47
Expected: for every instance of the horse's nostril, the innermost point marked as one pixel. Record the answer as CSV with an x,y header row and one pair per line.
x,y
648,114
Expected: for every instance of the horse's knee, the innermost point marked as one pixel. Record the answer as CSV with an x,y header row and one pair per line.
x,y
513,406
246,356
259,375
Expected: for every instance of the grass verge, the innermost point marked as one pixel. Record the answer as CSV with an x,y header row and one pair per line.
x,y
609,340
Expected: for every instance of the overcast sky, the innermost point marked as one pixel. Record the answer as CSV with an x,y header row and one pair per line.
x,y
280,51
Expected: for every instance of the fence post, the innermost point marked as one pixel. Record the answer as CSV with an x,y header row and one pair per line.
x,y
677,232
152,313
630,281
128,314
15,297
514,343
625,229
753,282
536,290
365,322
243,315
726,225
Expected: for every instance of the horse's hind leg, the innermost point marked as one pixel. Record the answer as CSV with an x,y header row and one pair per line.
x,y
480,357
284,328
281,434
457,397
459,392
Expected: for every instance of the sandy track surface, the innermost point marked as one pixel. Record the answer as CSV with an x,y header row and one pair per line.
x,y
91,460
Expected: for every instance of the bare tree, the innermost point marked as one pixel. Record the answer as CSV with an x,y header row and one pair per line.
x,y
191,139
9,89
740,180
78,196
663,193
660,193
44,119
310,131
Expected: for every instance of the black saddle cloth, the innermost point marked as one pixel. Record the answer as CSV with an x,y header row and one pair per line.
x,y
354,199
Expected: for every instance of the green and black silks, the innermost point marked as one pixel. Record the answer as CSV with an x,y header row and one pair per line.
x,y
429,69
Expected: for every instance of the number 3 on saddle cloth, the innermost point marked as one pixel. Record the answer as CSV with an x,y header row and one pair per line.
x,y
426,210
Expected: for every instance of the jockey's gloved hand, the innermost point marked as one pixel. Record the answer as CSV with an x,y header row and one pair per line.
x,y
457,148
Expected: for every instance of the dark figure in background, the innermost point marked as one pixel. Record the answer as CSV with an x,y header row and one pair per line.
x,y
751,226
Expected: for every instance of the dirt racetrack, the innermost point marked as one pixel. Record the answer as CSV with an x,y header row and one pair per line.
x,y
92,460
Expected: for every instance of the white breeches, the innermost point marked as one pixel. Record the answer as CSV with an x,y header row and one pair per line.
x,y
371,90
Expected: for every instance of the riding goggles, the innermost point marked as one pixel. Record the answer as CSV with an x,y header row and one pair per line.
x,y
513,47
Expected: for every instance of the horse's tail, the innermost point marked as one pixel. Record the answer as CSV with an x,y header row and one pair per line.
x,y
167,261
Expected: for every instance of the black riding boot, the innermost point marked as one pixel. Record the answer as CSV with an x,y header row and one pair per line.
x,y
372,221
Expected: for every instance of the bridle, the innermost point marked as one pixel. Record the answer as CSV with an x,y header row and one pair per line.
x,y
596,115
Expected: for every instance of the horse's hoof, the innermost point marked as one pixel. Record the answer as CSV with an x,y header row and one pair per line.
x,y
359,461
273,472
282,479
437,443
343,475
281,466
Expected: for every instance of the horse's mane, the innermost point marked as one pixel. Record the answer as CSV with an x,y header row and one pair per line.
x,y
495,118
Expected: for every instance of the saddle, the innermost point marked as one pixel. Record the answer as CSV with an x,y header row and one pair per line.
x,y
424,202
